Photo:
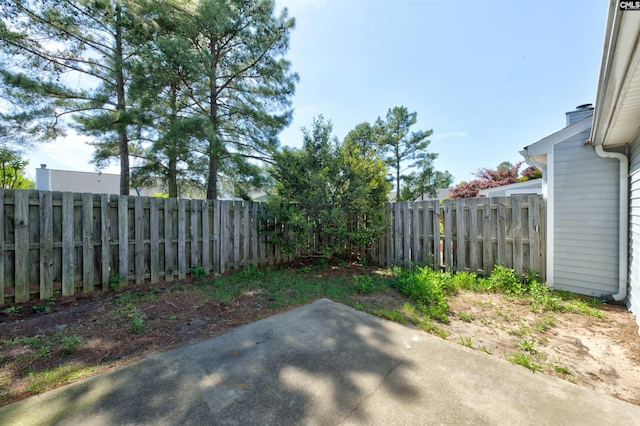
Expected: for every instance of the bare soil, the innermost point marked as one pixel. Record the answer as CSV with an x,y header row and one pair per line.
x,y
87,335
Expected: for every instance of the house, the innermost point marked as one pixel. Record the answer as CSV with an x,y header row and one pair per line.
x,y
533,186
95,183
441,194
591,178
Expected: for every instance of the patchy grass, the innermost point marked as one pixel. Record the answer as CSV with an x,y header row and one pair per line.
x,y
518,319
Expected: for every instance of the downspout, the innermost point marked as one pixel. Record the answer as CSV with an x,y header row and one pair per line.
x,y
623,221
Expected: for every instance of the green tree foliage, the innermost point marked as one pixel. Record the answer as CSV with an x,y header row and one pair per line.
x,y
192,90
328,195
80,48
243,85
12,167
168,131
425,182
406,150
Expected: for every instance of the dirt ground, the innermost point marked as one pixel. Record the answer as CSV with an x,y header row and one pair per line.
x,y
68,340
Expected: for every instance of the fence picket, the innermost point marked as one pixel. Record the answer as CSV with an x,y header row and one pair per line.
x,y
68,249
46,244
2,252
21,229
206,238
87,243
139,261
473,234
123,239
105,249
182,238
416,256
169,263
154,241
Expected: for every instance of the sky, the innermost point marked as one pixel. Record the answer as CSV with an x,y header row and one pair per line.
x,y
489,77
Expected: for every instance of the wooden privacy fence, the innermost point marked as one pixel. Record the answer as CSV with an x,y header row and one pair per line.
x,y
65,242
472,234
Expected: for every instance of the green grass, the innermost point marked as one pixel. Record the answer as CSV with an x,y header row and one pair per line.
x,y
524,360
54,377
466,317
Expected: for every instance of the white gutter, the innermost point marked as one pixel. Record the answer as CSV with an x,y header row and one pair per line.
x,y
542,165
623,221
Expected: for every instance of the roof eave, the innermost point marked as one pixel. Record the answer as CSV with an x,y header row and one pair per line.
x,y
615,104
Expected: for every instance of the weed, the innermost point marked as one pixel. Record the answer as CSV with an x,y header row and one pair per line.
x,y
42,308
115,281
486,350
57,376
173,317
505,279
197,273
428,288
520,332
465,280
466,341
252,272
137,321
545,323
465,317
582,307
14,310
442,333
393,315
528,346
429,327
561,369
34,341
70,343
44,351
363,284
524,360
11,343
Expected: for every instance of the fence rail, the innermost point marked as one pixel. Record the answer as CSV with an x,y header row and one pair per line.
x,y
73,243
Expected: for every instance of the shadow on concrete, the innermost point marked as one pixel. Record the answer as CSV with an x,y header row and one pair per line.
x,y
321,362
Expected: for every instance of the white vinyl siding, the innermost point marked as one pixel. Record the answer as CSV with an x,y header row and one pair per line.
x,y
634,230
586,207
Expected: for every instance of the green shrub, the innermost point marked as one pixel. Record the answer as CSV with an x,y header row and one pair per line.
x,y
506,280
428,288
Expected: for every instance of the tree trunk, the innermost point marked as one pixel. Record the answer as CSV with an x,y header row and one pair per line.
x,y
123,142
398,182
214,151
172,152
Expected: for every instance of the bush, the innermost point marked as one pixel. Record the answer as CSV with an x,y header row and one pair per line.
x,y
328,196
428,288
505,279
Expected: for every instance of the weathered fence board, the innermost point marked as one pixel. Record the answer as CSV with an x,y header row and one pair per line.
x,y
477,234
64,243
